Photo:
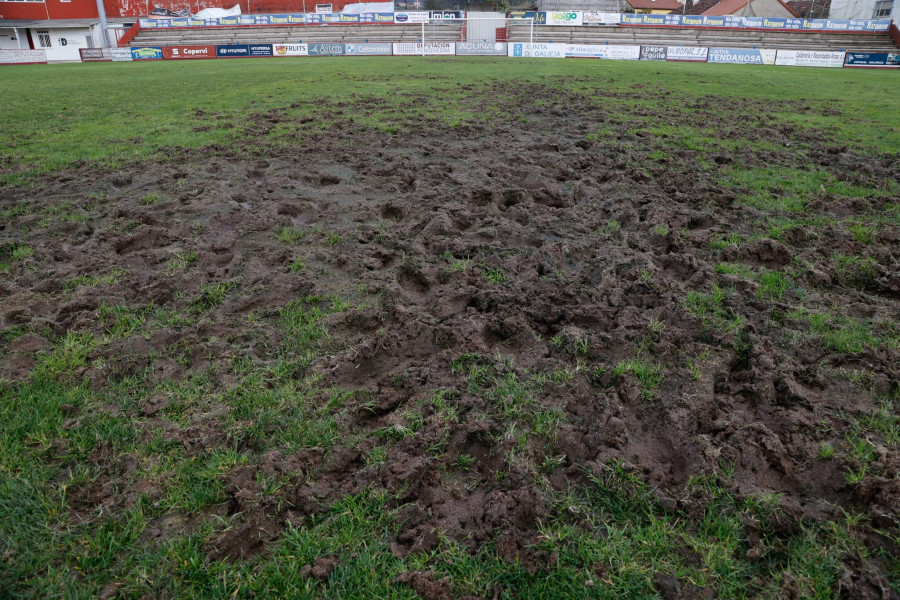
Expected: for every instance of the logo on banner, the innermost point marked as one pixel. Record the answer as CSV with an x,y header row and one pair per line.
x,y
291,50
326,49
146,53
260,50
653,53
401,17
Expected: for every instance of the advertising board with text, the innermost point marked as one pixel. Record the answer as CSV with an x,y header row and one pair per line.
x,y
603,51
188,52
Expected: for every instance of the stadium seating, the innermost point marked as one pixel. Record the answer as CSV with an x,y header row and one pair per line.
x,y
723,38
446,32
450,32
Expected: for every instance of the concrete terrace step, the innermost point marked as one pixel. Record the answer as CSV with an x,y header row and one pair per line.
x,y
311,34
446,32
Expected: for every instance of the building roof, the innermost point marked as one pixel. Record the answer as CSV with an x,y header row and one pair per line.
x,y
699,7
48,23
730,7
655,4
811,9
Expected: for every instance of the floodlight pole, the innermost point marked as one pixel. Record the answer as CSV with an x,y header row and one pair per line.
x,y
101,11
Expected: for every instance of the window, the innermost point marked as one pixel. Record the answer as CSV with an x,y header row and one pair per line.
x,y
883,9
44,39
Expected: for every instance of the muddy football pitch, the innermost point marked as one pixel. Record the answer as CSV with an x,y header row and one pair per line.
x,y
421,328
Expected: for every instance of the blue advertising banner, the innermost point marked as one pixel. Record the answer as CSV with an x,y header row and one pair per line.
x,y
539,17
286,19
741,56
260,49
147,53
233,51
880,60
645,20
376,17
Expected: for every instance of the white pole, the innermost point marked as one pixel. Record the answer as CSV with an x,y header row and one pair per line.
x,y
531,31
423,38
101,10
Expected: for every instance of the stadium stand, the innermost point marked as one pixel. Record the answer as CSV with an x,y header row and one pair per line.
x,y
448,32
726,38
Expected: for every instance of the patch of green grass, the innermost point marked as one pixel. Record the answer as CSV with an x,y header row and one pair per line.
x,y
495,275
456,265
11,253
724,268
857,271
88,280
122,321
862,233
150,199
180,261
841,333
70,353
772,284
611,228
788,190
722,242
297,265
684,137
289,235
211,295
648,375
711,310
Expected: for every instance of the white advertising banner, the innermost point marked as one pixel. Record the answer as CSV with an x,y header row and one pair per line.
x,y
537,50
431,48
572,18
741,56
592,17
687,54
121,54
603,51
809,58
481,49
21,57
411,17
290,49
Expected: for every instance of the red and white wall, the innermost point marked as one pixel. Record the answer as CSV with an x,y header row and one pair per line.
x,y
87,9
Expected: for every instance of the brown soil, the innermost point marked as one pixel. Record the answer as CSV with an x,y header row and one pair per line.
x,y
533,201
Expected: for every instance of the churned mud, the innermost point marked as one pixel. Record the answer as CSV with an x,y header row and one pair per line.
x,y
506,307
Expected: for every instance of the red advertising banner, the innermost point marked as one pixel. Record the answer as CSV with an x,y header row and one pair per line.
x,y
185,52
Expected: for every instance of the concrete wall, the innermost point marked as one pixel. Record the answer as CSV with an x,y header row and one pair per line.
x,y
8,39
64,43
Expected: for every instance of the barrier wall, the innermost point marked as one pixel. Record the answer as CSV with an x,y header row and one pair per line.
x,y
742,56
22,57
